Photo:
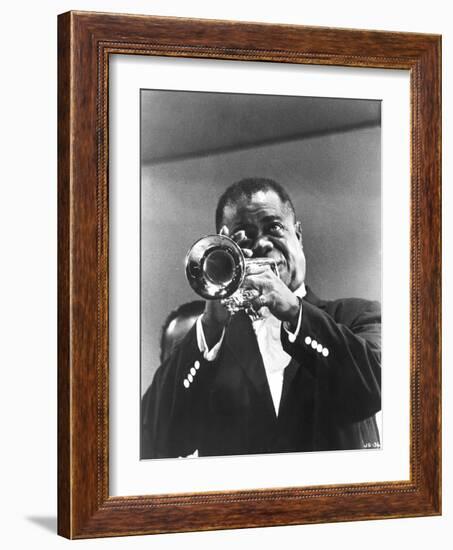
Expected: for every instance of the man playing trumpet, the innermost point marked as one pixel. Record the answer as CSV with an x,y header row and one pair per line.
x,y
304,376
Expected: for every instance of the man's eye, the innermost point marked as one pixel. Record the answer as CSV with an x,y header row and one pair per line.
x,y
276,228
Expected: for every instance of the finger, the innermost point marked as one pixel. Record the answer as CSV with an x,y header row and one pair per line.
x,y
250,282
241,239
251,294
259,302
254,282
239,236
224,231
254,269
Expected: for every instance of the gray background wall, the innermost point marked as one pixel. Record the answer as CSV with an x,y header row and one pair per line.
x,y
331,172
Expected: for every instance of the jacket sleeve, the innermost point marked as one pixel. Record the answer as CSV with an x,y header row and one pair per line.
x,y
171,422
342,350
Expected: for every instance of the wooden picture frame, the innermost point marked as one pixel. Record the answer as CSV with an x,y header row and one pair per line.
x,y
85,41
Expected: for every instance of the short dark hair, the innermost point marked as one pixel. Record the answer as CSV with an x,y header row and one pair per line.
x,y
247,187
190,309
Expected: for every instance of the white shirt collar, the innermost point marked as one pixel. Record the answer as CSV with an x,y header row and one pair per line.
x,y
301,291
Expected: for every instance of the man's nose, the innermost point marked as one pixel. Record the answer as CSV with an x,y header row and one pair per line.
x,y
262,247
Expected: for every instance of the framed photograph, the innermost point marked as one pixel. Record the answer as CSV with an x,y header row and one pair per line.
x,y
249,275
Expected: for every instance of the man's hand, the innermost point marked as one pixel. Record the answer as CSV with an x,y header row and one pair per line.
x,y
273,293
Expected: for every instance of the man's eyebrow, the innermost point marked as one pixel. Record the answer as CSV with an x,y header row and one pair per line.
x,y
272,218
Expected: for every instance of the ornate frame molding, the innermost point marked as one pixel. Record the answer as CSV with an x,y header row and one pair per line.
x,y
86,40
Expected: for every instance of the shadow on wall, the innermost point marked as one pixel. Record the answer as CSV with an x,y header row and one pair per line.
x,y
49,523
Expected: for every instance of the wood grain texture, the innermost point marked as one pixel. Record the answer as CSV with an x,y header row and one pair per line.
x,y
64,371
85,42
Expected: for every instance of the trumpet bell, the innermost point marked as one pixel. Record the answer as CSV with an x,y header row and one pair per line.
x,y
215,267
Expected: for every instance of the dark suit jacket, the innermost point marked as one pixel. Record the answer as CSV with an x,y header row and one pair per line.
x,y
328,400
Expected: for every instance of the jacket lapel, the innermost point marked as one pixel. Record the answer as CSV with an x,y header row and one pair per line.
x,y
242,348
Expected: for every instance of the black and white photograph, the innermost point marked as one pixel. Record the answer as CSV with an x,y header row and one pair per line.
x,y
226,288
260,274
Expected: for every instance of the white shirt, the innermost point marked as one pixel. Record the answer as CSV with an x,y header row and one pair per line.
x,y
275,358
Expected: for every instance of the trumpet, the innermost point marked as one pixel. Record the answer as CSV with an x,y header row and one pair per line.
x,y
216,268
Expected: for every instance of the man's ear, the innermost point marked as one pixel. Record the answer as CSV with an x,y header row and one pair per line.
x,y
298,227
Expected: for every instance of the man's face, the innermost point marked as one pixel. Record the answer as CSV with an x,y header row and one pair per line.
x,y
271,233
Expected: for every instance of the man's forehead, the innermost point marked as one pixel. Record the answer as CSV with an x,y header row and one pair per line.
x,y
260,203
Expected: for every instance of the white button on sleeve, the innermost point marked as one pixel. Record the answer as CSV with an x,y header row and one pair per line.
x,y
319,348
325,352
308,340
314,344
186,383
193,372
